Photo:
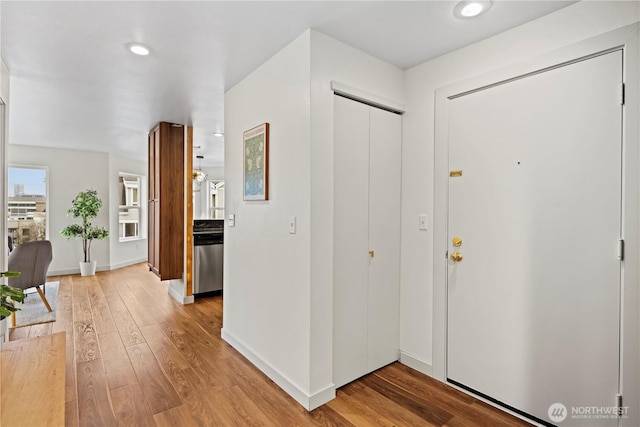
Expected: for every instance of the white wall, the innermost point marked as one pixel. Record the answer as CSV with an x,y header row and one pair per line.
x,y
72,171
333,60
132,251
279,286
569,25
266,280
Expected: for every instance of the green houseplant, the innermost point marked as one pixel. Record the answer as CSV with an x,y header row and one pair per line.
x,y
8,295
86,206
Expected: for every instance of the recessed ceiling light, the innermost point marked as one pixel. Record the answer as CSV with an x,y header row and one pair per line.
x,y
218,134
139,49
471,9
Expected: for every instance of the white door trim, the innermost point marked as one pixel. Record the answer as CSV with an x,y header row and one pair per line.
x,y
625,38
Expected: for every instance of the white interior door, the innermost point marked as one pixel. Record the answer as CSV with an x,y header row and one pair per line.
x,y
384,238
367,149
533,306
351,236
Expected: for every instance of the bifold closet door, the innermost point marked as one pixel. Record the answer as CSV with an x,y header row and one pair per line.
x,y
384,237
367,144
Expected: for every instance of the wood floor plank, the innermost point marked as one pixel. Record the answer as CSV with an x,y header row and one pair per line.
x,y
140,315
64,323
428,387
71,413
406,400
239,409
102,318
202,313
380,408
355,412
178,416
40,329
329,417
172,358
166,353
125,324
200,360
159,392
19,333
128,329
185,381
118,368
145,295
86,341
195,394
276,404
130,407
64,306
433,392
85,338
32,381
94,404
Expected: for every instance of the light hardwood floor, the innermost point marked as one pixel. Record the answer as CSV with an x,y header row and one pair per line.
x,y
137,358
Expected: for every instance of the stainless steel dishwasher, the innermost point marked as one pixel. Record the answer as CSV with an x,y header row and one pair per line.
x,y
208,254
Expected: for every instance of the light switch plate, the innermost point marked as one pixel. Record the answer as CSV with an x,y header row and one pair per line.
x,y
423,222
292,225
231,220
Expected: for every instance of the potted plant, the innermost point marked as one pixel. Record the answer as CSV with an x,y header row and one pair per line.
x,y
86,206
8,294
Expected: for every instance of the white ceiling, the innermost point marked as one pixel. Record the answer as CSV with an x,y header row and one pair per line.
x,y
75,85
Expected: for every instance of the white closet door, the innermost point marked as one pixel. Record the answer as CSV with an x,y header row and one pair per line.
x,y
533,306
384,237
351,233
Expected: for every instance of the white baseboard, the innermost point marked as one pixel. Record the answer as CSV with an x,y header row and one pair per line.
x,y
415,363
74,271
308,401
321,397
98,268
179,296
127,263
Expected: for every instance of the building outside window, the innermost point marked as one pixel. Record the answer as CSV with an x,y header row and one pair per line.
x,y
27,204
129,214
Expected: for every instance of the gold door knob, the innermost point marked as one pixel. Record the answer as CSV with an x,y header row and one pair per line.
x,y
372,254
456,256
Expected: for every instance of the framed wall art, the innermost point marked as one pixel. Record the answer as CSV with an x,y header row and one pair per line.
x,y
256,163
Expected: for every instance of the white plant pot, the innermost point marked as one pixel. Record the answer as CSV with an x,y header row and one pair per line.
x,y
4,331
87,268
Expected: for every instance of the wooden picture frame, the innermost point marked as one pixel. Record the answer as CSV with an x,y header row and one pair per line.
x,y
255,155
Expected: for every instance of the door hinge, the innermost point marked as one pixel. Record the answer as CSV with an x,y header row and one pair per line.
x,y
619,406
622,94
621,250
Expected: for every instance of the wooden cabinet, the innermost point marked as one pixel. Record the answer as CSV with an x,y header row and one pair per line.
x,y
166,201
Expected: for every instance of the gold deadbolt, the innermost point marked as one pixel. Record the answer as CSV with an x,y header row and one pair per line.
x,y
457,242
456,256
372,254
455,173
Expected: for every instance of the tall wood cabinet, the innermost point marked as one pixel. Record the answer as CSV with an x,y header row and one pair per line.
x,y
166,201
366,292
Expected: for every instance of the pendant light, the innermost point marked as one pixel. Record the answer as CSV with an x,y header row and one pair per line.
x,y
198,174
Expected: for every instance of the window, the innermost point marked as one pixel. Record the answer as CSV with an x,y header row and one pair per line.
x,y
215,201
27,204
129,213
